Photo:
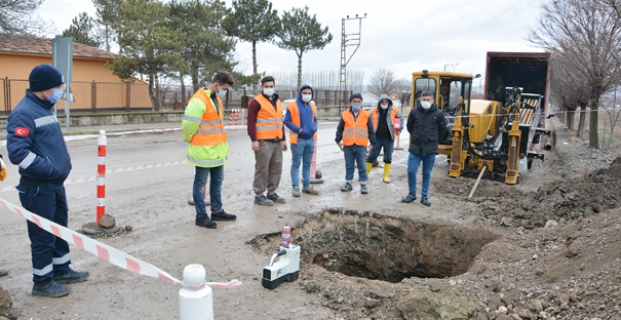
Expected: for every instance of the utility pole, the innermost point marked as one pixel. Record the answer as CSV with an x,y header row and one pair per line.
x,y
450,65
352,39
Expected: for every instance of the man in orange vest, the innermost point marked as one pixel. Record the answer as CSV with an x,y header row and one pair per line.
x,y
353,134
301,119
384,117
267,133
203,128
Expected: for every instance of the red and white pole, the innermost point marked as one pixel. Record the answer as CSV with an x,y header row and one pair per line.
x,y
397,130
313,173
101,175
236,115
231,118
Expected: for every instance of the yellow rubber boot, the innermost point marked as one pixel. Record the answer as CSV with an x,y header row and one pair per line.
x,y
369,166
386,172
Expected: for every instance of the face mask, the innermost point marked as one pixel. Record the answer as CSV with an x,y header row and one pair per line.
x,y
268,92
307,97
58,92
384,106
356,107
222,93
425,104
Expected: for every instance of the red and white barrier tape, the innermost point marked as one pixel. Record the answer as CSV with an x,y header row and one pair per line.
x,y
103,251
146,166
94,178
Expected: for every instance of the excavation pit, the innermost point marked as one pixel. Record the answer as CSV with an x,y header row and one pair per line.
x,y
374,246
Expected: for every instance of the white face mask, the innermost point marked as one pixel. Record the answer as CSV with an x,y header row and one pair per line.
x,y
384,106
222,93
425,104
307,97
268,92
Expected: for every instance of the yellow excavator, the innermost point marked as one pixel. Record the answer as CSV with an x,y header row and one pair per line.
x,y
494,139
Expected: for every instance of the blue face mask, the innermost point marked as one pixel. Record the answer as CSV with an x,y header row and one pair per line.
x,y
58,92
356,107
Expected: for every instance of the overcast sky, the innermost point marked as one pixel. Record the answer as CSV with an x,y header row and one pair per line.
x,y
398,35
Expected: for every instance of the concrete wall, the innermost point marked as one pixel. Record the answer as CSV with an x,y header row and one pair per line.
x,y
112,118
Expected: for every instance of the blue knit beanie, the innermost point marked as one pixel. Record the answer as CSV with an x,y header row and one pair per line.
x,y
355,95
44,77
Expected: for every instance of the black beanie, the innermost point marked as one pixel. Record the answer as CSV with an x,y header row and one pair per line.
x,y
355,95
44,77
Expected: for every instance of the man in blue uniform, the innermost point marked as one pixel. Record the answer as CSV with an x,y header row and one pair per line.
x,y
35,143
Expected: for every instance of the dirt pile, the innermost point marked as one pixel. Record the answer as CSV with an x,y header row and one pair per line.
x,y
573,198
5,301
569,271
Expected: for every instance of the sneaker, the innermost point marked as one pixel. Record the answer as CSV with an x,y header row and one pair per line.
x,y
310,190
409,198
261,199
363,189
424,200
222,216
346,187
275,197
71,277
296,192
205,222
50,288
3,272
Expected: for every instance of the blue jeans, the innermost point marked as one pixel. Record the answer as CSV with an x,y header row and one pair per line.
x,y
413,164
301,152
215,189
387,144
355,154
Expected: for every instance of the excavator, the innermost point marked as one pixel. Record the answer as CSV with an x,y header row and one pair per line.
x,y
494,139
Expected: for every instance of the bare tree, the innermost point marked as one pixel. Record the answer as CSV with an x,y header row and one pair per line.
x,y
16,19
567,90
383,81
403,88
587,34
614,114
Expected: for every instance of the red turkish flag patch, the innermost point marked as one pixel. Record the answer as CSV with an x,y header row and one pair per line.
x,y
22,132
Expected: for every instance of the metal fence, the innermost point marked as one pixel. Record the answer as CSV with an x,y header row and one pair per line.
x,y
172,97
89,96
134,96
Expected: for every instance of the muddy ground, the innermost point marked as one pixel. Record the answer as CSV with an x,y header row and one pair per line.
x,y
548,248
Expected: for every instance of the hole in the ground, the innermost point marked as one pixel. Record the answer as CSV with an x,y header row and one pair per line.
x,y
374,246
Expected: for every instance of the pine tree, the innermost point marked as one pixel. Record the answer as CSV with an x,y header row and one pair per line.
x,y
81,29
146,41
253,21
301,32
203,44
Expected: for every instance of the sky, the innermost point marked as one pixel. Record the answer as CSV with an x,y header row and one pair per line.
x,y
402,36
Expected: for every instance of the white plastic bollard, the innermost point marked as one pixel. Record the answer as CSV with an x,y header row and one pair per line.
x,y
195,299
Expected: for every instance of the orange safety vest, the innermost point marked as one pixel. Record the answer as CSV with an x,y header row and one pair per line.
x,y
269,120
294,111
211,129
375,117
356,132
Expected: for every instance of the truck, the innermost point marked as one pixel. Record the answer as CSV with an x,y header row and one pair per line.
x,y
500,136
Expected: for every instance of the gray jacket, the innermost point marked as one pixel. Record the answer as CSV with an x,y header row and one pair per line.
x,y
376,113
